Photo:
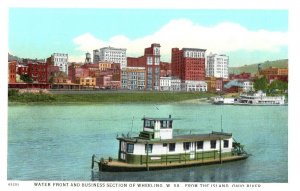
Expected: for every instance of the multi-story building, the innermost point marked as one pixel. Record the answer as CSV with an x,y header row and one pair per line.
x,y
133,78
217,66
116,55
175,84
273,71
165,83
151,62
241,76
60,60
194,86
38,72
76,71
88,81
188,64
152,55
12,72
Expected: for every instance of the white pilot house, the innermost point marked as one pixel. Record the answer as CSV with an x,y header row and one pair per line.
x,y
157,148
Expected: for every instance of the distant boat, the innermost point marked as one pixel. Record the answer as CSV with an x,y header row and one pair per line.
x,y
223,101
258,98
156,148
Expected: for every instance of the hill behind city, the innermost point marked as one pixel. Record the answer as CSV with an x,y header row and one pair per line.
x,y
252,68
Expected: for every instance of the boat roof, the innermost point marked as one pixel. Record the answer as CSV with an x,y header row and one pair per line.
x,y
157,119
180,138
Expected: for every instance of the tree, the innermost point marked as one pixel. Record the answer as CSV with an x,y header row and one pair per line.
x,y
26,78
261,84
278,85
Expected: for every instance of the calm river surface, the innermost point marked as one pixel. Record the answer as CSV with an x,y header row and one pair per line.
x,y
48,142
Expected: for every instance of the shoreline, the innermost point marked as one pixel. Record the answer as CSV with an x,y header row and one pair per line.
x,y
16,98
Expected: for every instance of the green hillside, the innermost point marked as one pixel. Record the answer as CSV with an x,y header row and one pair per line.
x,y
253,67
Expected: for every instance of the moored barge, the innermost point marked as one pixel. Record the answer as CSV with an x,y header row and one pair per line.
x,y
156,148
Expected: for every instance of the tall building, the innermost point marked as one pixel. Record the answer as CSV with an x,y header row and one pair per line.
x,y
116,55
152,55
188,63
60,60
151,62
217,66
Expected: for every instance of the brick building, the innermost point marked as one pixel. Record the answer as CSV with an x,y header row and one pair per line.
x,y
241,76
151,62
188,64
12,72
165,69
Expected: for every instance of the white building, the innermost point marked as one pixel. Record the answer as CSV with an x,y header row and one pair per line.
x,y
217,66
194,86
248,86
165,83
116,55
60,60
175,84
170,84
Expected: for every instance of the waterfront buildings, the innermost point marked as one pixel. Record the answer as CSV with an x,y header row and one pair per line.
x,y
60,60
188,64
116,55
274,73
217,66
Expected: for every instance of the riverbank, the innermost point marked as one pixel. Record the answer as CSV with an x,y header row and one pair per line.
x,y
16,97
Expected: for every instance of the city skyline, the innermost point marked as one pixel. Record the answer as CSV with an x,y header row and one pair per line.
x,y
246,36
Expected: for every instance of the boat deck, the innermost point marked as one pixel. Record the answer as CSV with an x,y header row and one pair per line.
x,y
123,166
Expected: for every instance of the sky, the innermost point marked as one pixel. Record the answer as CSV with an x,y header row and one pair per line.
x,y
246,36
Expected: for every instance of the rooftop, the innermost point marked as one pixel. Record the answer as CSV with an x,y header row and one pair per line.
x,y
180,138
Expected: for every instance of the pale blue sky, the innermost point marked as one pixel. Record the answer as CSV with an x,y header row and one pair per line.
x,y
39,32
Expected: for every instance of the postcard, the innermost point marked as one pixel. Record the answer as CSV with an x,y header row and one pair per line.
x,y
173,95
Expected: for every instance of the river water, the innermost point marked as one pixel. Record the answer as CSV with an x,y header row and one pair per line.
x,y
54,142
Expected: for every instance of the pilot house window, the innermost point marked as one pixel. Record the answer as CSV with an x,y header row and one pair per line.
x,y
163,124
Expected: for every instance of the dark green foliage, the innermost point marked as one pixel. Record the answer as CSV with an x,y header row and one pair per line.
x,y
278,86
113,97
261,84
15,96
26,78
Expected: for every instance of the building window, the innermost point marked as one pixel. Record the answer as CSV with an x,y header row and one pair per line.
x,y
199,144
171,147
148,148
186,146
165,144
213,144
130,148
225,143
